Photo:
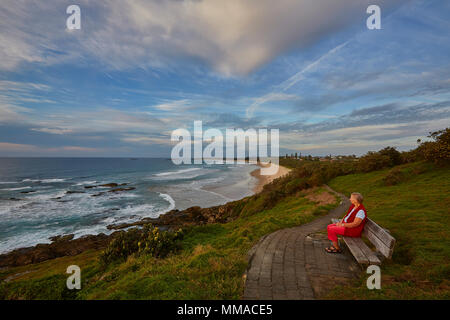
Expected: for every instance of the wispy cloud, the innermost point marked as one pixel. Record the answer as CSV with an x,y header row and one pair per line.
x,y
178,105
288,83
139,69
52,130
299,76
14,147
234,36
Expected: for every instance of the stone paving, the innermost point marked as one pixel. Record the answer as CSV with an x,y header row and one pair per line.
x,y
292,264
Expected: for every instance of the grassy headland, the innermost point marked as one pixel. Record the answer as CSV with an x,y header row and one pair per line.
x,y
407,193
210,264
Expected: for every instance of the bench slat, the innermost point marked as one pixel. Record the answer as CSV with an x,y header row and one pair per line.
x,y
371,256
355,250
381,247
384,236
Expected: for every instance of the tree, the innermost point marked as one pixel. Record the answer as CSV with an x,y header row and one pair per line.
x,y
393,154
438,151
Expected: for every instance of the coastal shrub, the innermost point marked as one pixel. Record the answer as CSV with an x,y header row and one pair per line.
x,y
393,177
255,205
316,179
438,151
149,240
373,161
411,156
394,156
272,198
159,243
124,244
295,185
302,172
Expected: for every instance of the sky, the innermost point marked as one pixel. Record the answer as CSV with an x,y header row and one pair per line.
x,y
137,70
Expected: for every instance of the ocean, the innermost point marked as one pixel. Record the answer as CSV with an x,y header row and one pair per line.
x,y
45,197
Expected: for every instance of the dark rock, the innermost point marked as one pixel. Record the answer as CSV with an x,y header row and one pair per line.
x,y
62,238
109,185
31,191
72,192
190,216
90,187
122,189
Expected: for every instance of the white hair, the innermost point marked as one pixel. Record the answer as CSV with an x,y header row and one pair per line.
x,y
358,196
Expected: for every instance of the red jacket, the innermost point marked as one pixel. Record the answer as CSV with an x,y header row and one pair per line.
x,y
356,231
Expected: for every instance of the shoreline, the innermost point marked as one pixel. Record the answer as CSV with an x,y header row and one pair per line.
x,y
262,180
65,245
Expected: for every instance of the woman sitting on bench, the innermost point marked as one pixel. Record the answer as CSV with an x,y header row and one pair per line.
x,y
351,225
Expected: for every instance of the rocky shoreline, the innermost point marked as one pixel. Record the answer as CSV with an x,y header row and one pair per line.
x,y
67,246
171,220
60,247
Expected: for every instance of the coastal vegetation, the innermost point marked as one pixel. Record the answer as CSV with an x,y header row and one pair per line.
x,y
405,192
209,265
149,240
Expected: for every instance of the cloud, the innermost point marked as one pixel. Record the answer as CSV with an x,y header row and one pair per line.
x,y
369,128
11,113
7,148
97,120
79,149
13,94
52,130
269,97
14,147
300,75
22,87
146,140
177,105
234,37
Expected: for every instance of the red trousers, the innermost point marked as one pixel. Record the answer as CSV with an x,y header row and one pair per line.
x,y
333,231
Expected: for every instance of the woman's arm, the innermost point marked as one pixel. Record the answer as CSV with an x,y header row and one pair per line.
x,y
353,224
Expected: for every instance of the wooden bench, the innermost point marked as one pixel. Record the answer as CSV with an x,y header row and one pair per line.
x,y
379,237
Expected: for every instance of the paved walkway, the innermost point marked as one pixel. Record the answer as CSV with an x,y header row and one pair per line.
x,y
292,264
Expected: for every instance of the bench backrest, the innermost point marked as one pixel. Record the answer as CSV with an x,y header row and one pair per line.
x,y
380,238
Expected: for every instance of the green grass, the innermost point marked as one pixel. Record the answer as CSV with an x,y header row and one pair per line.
x,y
411,200
210,265
416,211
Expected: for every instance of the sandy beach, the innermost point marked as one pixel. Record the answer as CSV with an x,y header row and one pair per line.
x,y
263,180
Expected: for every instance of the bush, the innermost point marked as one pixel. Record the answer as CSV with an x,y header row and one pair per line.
x,y
393,177
438,151
159,244
148,240
373,161
295,185
411,156
394,156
